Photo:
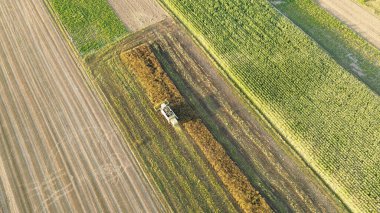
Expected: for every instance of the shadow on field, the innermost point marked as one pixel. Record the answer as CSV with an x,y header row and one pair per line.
x,y
206,109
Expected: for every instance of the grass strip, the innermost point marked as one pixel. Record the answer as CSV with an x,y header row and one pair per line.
x,y
90,24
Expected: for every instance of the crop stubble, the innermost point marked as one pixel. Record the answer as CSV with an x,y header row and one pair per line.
x,y
59,149
138,14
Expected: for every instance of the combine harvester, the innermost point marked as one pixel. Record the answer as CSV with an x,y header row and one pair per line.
x,y
168,113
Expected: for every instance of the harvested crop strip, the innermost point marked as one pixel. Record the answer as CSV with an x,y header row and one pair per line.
x,y
145,66
158,86
177,169
236,182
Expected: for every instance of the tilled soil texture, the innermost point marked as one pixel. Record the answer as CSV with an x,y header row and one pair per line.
x,y
60,151
356,17
283,179
138,14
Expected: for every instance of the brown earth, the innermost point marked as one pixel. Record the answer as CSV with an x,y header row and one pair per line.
x,y
359,19
138,14
60,151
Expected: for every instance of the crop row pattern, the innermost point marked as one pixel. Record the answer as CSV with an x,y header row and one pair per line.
x,y
328,116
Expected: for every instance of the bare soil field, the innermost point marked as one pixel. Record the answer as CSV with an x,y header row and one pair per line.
x,y
60,151
359,19
283,179
138,14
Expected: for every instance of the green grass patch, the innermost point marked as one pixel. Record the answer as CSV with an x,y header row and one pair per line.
x,y
90,24
329,117
343,44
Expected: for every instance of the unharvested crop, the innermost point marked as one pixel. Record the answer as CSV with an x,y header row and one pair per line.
x,y
342,43
330,118
142,62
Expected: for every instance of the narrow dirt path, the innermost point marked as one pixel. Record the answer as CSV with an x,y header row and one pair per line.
x,y
356,17
60,151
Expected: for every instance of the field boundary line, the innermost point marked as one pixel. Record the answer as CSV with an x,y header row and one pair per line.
x,y
254,107
80,61
322,48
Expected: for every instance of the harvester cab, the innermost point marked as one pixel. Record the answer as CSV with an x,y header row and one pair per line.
x,y
168,113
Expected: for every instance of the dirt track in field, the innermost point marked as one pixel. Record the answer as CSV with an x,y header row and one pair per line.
x,y
138,14
356,17
59,150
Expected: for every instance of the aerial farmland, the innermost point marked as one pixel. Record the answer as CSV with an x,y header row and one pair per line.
x,y
189,106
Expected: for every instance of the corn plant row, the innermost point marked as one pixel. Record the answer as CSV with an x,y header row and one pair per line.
x,y
327,115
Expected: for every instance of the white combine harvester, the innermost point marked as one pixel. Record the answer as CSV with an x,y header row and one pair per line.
x,y
168,113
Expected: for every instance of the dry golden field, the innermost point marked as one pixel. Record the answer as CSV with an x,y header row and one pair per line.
x,y
60,151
